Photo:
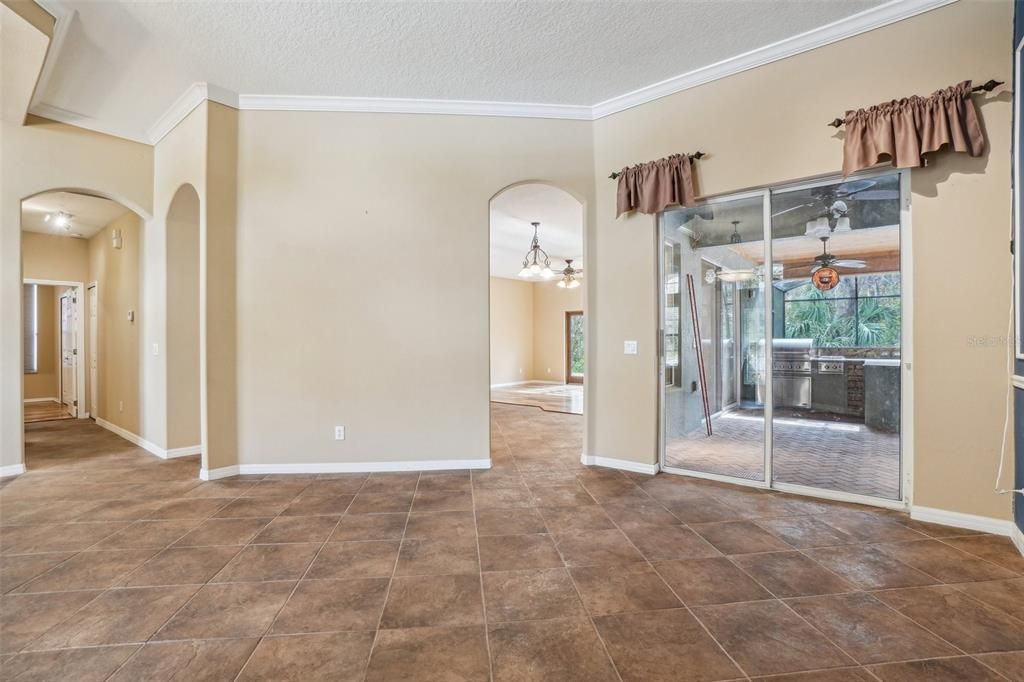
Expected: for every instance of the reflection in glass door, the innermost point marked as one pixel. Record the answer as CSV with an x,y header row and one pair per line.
x,y
713,311
799,363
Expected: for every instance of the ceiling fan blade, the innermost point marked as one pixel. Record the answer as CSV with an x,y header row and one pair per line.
x,y
793,208
817,267
854,186
875,195
849,263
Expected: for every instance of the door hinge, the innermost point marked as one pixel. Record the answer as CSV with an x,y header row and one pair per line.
x,y
75,403
74,351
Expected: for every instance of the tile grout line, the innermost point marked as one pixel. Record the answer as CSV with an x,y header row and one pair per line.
x,y
483,593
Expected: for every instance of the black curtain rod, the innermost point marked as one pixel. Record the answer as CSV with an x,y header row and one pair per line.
x,y
693,157
988,86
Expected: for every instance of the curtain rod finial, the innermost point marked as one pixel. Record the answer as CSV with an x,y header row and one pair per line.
x,y
990,85
836,122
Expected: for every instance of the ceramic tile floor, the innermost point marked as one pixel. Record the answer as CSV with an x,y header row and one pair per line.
x,y
115,565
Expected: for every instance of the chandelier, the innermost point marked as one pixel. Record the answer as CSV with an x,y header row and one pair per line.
x,y
532,264
569,280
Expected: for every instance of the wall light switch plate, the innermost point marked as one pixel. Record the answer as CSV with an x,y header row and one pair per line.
x,y
156,349
339,433
629,347
131,315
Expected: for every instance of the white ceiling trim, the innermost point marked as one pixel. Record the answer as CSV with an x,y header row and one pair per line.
x,y
862,22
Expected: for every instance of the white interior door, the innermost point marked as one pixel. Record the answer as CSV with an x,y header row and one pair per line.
x,y
68,353
93,353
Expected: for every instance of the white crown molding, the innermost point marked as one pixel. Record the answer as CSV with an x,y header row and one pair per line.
x,y
862,22
623,464
945,517
63,15
12,470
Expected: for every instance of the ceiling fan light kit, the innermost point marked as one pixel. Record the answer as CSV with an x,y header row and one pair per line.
x,y
569,274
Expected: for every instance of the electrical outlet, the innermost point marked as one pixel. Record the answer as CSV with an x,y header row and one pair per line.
x,y
339,433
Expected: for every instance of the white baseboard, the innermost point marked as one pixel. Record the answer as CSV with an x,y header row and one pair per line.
x,y
152,448
1018,538
42,400
943,517
624,464
12,470
344,467
215,474
528,381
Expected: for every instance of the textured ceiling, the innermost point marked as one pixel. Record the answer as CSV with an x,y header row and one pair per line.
x,y
123,64
560,234
89,214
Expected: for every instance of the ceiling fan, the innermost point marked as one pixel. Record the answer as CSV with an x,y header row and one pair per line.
x,y
828,260
832,200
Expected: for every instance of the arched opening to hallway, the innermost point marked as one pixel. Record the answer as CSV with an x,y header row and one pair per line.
x,y
537,327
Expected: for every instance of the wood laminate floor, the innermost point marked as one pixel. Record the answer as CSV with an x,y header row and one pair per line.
x,y
566,398
45,411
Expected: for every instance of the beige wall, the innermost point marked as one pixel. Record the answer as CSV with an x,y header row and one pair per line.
x,y
550,303
117,275
49,256
44,383
36,158
511,331
362,271
185,396
766,126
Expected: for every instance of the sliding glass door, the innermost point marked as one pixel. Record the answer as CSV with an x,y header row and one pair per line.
x,y
786,375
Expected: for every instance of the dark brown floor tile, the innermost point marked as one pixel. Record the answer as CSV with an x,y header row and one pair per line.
x,y
830,675
148,534
999,550
701,509
290,487
228,610
868,567
366,559
89,571
648,513
369,527
441,525
766,637
670,542
502,498
376,503
530,595
663,645
297,529
500,522
518,552
960,620
599,547
740,537
337,656
804,532
56,538
122,510
435,600
1007,595
315,505
946,563
23,617
572,495
17,569
438,557
496,478
336,484
451,654
575,519
869,527
118,616
567,650
451,480
220,489
936,670
442,500
391,482
205,660
268,562
622,587
791,574
709,581
249,507
1009,664
223,532
189,508
868,630
329,605
80,665
181,566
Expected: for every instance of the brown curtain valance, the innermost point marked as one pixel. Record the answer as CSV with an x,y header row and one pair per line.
x,y
650,187
905,130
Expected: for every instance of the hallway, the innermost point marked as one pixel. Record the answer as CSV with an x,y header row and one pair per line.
x,y
114,563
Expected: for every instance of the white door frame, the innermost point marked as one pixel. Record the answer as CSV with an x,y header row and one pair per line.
x,y
906,351
92,347
79,288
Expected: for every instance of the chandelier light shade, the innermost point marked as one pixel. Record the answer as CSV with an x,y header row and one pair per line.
x,y
569,276
536,263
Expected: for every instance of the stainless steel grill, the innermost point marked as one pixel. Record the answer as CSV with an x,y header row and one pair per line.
x,y
791,372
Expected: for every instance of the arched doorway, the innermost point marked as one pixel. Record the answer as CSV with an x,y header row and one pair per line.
x,y
537,325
